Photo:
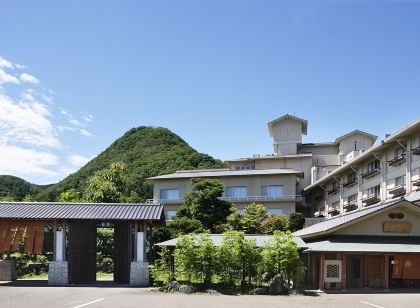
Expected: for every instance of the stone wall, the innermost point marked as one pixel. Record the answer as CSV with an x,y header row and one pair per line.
x,y
139,274
7,270
58,273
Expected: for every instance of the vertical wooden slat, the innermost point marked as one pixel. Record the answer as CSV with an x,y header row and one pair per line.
x,y
321,271
344,271
386,272
30,238
11,232
39,237
18,235
4,231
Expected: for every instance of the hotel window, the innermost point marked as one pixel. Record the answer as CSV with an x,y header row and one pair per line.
x,y
170,214
169,194
355,145
351,176
399,152
400,181
245,167
352,199
373,165
335,205
374,190
275,211
272,190
237,192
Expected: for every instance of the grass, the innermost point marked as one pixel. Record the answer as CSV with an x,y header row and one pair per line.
x,y
101,276
43,276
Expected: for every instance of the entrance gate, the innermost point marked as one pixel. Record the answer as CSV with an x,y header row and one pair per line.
x,y
74,227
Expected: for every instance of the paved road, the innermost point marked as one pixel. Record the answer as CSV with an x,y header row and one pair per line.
x,y
95,297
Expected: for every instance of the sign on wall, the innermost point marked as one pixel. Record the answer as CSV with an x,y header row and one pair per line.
x,y
397,227
332,270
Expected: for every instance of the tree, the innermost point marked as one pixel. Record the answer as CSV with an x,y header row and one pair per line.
x,y
202,208
252,218
71,195
296,221
107,185
274,223
281,256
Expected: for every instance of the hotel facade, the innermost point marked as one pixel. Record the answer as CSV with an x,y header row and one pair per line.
x,y
360,196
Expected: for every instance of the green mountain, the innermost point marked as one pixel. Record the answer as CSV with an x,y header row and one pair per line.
x,y
146,151
16,188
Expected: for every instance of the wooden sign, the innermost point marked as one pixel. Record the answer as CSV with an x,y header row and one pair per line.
x,y
397,227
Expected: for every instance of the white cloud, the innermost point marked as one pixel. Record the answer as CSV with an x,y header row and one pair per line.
x,y
78,160
25,162
20,66
5,64
29,78
30,145
7,78
26,122
85,133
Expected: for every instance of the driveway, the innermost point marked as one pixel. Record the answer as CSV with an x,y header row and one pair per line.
x,y
28,295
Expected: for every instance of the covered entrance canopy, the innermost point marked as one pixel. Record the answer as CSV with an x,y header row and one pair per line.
x,y
74,226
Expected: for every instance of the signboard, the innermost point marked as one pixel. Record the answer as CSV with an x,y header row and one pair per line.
x,y
397,227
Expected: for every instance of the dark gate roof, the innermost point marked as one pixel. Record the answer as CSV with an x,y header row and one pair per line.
x,y
82,211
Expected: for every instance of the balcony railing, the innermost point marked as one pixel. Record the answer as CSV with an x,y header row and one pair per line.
x,y
263,198
416,151
234,199
333,211
319,197
165,201
350,206
372,199
397,160
319,214
370,173
350,182
333,190
416,183
397,190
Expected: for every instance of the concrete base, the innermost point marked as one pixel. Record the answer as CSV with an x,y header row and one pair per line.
x,y
58,273
7,270
139,274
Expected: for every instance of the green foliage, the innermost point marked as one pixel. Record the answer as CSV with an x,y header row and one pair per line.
x,y
274,223
281,256
146,152
105,242
196,260
237,258
156,235
13,188
296,221
107,185
161,270
106,265
71,195
202,209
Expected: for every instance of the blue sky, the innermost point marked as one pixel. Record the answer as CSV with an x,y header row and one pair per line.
x,y
214,72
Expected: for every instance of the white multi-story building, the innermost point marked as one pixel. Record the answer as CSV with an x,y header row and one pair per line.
x,y
318,179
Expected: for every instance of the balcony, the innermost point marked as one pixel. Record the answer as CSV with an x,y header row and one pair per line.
x,y
416,183
397,191
371,173
333,190
350,206
294,198
319,214
397,160
165,201
350,182
416,151
333,211
319,197
372,199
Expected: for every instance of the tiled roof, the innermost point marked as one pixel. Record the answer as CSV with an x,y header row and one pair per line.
x,y
377,244
223,172
260,240
85,211
346,218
